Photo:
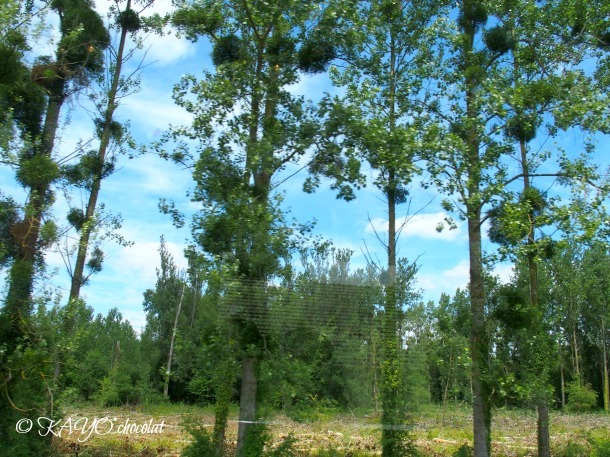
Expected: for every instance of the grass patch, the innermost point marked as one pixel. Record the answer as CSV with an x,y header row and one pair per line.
x,y
332,432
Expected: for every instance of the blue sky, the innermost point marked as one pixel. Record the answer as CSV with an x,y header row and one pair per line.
x,y
134,191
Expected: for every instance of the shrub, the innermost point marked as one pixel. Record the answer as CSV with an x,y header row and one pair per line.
x,y
258,439
464,451
108,395
202,445
581,397
602,448
573,450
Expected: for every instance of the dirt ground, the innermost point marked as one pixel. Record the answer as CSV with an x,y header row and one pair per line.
x,y
437,433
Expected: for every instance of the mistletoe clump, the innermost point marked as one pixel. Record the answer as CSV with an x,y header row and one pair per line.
x,y
499,40
129,20
227,50
315,55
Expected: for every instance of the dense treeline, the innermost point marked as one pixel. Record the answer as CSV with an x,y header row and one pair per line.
x,y
450,94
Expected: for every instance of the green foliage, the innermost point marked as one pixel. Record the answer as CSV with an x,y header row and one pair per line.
x,y
40,170
228,49
257,438
115,129
315,55
257,443
572,449
602,447
281,50
203,444
287,382
473,14
88,168
27,392
285,448
108,394
464,451
96,259
510,221
498,39
416,378
581,397
522,128
129,20
9,216
202,18
76,218
103,359
48,233
84,36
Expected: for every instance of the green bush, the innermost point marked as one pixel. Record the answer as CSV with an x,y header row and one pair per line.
x,y
602,448
202,445
573,450
581,397
146,394
108,395
285,449
330,452
464,451
258,439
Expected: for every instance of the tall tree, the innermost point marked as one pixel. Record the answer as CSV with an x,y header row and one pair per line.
x,y
596,263
249,127
388,48
37,92
79,51
463,167
541,82
504,86
162,316
95,166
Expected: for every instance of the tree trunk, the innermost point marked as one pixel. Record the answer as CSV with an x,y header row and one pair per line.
x,y
27,232
479,346
247,404
393,437
170,356
223,387
392,418
544,441
605,378
575,345
87,228
563,384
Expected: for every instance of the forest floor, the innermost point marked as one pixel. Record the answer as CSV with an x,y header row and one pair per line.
x,y
437,432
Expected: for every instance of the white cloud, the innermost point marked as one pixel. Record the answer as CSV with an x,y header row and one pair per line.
x,y
448,281
153,111
164,49
140,261
459,272
422,225
313,86
167,49
136,317
149,177
504,272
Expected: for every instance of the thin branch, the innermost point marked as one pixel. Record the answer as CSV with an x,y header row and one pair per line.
x,y
554,175
377,234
